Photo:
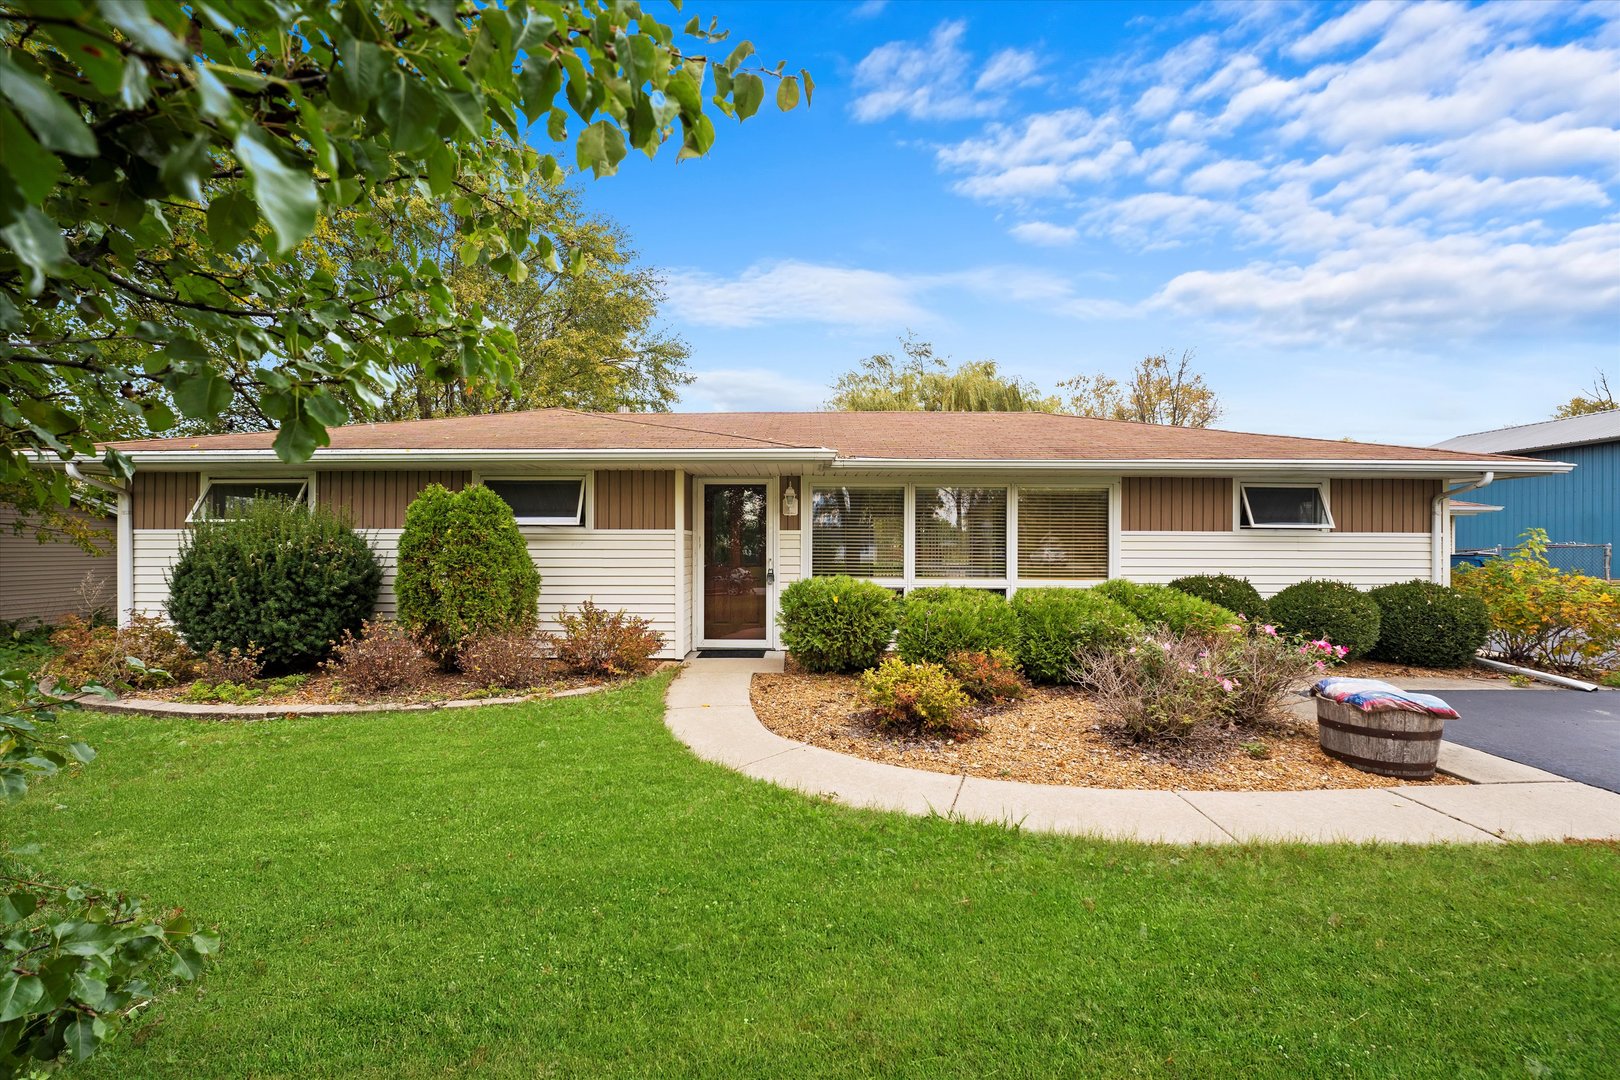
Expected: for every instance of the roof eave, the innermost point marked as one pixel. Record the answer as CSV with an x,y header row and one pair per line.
x,y
1504,470
328,456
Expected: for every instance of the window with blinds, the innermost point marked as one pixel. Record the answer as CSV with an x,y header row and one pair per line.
x,y
961,532
858,531
1062,533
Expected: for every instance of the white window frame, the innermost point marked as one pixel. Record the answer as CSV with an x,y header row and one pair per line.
x,y
1241,508
587,496
1010,584
206,481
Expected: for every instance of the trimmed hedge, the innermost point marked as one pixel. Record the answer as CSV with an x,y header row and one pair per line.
x,y
282,577
1334,610
1176,611
837,623
1232,593
1429,625
1056,623
936,622
464,571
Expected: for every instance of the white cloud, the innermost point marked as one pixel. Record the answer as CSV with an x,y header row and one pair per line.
x,y
1223,176
869,9
931,80
1044,233
792,291
1357,24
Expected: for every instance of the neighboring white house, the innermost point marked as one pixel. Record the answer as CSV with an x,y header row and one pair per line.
x,y
47,581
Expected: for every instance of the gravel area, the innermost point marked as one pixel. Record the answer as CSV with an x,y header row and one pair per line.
x,y
1056,736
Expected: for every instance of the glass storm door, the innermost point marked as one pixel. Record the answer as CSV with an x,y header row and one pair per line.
x,y
735,579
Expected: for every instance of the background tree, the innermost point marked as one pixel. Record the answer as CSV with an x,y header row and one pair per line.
x,y
1601,400
165,163
923,382
1159,391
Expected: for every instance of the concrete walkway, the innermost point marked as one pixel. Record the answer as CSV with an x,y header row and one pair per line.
x,y
708,709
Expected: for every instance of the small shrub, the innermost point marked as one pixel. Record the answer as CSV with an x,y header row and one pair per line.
x,y
1056,624
144,655
1161,689
1429,625
1257,750
382,658
283,577
229,692
936,622
1543,616
986,676
464,571
837,624
1232,593
1611,679
916,697
601,643
1175,611
515,661
1334,610
238,665
1258,669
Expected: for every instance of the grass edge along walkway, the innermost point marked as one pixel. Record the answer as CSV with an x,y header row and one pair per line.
x,y
561,889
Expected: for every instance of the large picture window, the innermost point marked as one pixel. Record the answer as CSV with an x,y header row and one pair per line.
x,y
552,501
231,498
961,532
1285,506
1063,533
858,531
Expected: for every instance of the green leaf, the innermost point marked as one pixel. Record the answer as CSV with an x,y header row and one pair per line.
x,y
16,907
747,92
199,391
408,111
56,124
18,994
787,94
441,169
37,241
185,166
216,101
34,169
600,149
809,87
231,218
286,196
88,989
299,437
134,84
358,78
538,82
742,52
699,137
83,1035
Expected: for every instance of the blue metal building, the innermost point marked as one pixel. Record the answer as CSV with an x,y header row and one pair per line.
x,y
1582,506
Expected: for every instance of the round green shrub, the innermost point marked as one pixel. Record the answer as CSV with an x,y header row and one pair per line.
x,y
837,623
464,571
1429,625
1231,593
282,577
1334,610
936,622
1176,611
1055,624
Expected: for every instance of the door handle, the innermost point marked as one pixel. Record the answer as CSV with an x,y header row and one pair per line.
x,y
770,572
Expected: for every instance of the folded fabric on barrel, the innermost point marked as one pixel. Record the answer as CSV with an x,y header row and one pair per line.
x,y
1373,695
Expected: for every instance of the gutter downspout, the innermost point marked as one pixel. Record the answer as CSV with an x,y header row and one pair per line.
x,y
125,551
1440,542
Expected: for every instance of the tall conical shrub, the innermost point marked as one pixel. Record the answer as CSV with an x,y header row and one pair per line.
x,y
464,570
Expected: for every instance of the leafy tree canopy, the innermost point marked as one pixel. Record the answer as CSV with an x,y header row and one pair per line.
x,y
1599,399
167,167
1158,391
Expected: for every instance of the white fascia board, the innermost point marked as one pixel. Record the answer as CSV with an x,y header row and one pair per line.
x,y
478,458
1227,467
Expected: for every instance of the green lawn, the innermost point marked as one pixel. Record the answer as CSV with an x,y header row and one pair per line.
x,y
562,890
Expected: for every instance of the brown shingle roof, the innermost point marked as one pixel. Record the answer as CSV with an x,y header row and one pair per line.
x,y
880,435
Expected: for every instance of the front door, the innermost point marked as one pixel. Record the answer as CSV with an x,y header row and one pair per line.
x,y
736,585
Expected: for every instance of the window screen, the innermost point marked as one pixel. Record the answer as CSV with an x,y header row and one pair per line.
x,y
1062,534
961,532
1284,507
543,502
858,531
231,498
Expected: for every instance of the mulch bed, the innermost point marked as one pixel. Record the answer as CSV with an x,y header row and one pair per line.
x,y
1378,669
1056,736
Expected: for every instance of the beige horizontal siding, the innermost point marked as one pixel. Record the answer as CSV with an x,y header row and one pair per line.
x,y
47,581
1274,560
155,552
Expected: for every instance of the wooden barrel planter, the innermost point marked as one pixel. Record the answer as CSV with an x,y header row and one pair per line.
x,y
1395,743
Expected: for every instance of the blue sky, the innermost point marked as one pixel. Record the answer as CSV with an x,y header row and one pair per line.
x,y
1384,221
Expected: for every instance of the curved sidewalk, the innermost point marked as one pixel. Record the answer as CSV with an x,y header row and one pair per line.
x,y
708,709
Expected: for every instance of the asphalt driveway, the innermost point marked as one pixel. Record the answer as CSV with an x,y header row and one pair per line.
x,y
1568,732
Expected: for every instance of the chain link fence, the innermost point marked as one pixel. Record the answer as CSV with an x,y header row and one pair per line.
x,y
1595,560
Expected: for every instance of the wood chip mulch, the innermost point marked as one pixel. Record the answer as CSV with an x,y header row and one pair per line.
x,y
1378,669
1057,736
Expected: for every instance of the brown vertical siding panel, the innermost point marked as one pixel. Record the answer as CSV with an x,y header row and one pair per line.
x,y
785,523
1176,504
378,498
1382,506
627,499
162,500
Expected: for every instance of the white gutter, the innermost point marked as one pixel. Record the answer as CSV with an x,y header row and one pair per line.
x,y
1222,467
124,550
1440,532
